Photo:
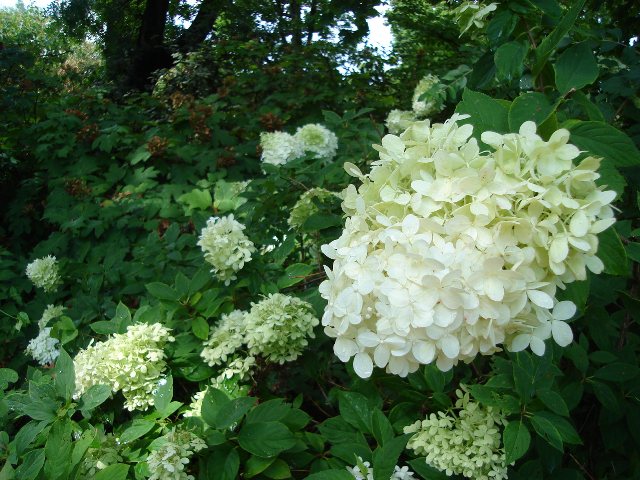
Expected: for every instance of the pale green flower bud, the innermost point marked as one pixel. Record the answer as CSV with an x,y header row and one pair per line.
x,y
44,273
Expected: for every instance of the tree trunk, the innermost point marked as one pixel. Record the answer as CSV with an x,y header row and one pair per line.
x,y
201,26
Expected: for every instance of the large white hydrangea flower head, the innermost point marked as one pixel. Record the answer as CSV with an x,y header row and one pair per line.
x,y
169,459
279,326
399,120
131,362
279,148
466,440
318,140
449,252
225,246
430,87
44,273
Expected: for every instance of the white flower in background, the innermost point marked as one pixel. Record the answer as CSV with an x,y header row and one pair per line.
x,y
306,206
132,362
449,252
44,348
431,88
364,471
278,327
465,441
172,454
279,148
470,14
225,339
317,139
44,273
399,120
230,386
50,313
225,246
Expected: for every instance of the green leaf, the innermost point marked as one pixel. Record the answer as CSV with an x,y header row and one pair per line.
x,y
256,465
200,328
548,431
523,382
272,410
162,291
549,43
122,318
355,409
212,402
516,439
27,434
565,429
138,428
606,397
553,401
294,274
531,106
612,253
617,372
381,427
65,381
81,445
118,471
223,463
331,475
7,376
487,114
278,470
163,393
197,199
603,140
385,458
266,439
57,449
94,396
31,465
575,68
509,59
420,466
233,411
320,221
141,154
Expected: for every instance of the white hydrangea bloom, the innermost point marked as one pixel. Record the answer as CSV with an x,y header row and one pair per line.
x,y
317,139
237,370
435,96
279,148
44,348
169,459
44,273
364,471
132,362
466,441
449,252
470,14
225,246
305,206
225,339
51,312
399,120
278,327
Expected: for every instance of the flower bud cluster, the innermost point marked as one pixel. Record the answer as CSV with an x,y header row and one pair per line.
x,y
306,206
132,362
399,120
279,148
50,313
44,273
364,471
428,96
449,252
466,441
169,459
225,246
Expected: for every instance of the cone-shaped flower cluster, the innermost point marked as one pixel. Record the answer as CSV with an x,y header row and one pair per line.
x,y
318,140
132,362
169,459
225,247
44,273
279,148
467,441
449,252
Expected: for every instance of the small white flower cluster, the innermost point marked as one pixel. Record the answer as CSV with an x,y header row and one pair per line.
x,y
51,312
168,460
279,148
449,252
305,206
399,120
44,273
468,443
276,328
44,348
225,246
473,13
364,471
430,87
132,362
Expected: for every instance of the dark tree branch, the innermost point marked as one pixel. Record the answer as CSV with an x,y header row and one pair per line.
x,y
202,25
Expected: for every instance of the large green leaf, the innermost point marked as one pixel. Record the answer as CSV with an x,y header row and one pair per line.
x,y
355,409
31,465
487,114
575,68
117,471
163,393
612,253
603,140
509,59
65,381
58,449
516,439
530,106
266,439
